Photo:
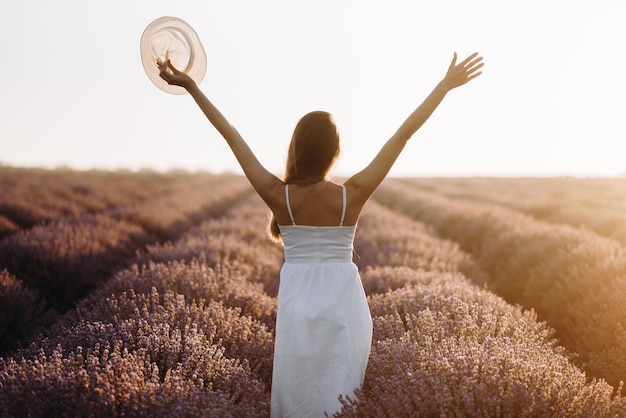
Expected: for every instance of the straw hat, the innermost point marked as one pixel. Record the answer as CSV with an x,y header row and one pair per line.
x,y
172,38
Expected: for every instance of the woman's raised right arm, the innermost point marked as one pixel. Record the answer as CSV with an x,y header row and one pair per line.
x,y
364,183
261,179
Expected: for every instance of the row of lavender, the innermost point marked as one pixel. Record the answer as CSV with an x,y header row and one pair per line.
x,y
30,197
575,279
188,331
597,204
445,346
70,233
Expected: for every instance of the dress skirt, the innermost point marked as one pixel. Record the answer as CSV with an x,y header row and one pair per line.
x,y
323,338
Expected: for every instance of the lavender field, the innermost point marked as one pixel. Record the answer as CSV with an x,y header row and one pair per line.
x,y
147,294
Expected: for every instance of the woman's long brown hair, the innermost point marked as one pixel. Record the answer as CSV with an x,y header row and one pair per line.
x,y
312,152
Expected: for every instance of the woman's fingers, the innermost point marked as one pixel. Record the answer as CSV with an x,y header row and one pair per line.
x,y
471,65
166,70
466,70
453,63
468,59
172,75
471,76
172,68
163,71
477,63
475,67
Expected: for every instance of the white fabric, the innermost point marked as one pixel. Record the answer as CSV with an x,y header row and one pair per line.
x,y
323,325
293,222
343,209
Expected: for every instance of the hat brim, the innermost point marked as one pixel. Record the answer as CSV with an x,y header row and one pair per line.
x,y
172,38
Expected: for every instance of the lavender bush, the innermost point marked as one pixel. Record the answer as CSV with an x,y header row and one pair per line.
x,y
388,239
181,320
7,227
21,311
598,204
443,347
69,257
573,278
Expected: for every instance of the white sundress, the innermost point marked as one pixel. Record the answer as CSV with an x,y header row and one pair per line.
x,y
323,324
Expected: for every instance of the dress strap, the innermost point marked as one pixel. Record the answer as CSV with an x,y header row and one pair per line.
x,y
343,210
288,205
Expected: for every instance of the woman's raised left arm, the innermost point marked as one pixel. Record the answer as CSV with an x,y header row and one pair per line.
x,y
366,181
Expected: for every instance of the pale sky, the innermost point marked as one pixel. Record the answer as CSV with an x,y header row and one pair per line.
x,y
551,100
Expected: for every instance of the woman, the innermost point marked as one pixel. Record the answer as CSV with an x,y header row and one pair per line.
x,y
323,326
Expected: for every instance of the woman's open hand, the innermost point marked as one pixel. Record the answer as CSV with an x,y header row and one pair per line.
x,y
173,76
459,74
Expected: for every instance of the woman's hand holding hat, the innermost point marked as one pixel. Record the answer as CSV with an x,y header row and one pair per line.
x,y
174,77
172,39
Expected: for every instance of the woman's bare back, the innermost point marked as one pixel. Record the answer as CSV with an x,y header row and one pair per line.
x,y
318,204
